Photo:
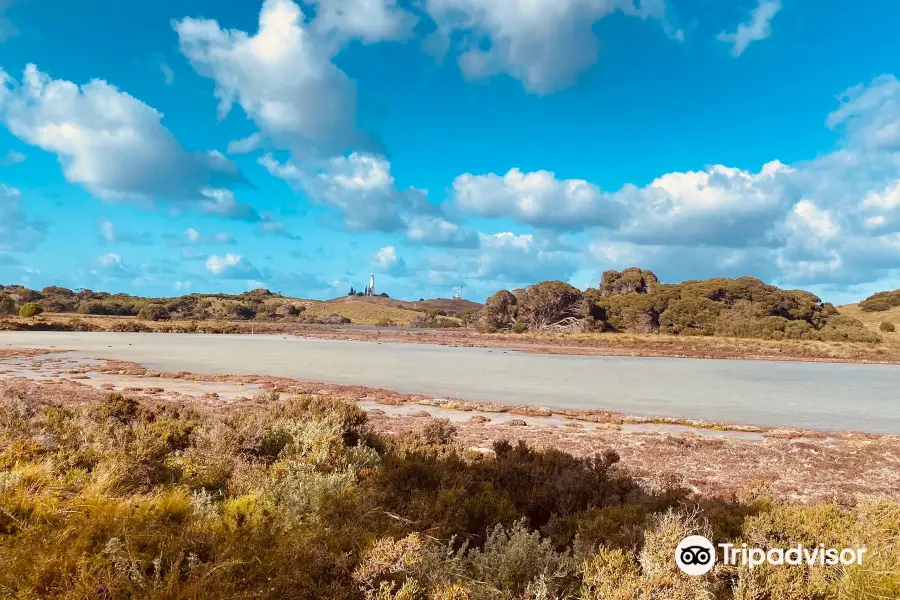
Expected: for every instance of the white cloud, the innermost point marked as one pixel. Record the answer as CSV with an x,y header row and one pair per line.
x,y
758,28
7,29
12,158
388,262
546,45
221,202
106,140
281,76
368,20
360,186
111,234
536,198
168,75
520,259
870,115
111,265
232,266
833,220
245,145
721,205
18,232
194,237
437,231
269,225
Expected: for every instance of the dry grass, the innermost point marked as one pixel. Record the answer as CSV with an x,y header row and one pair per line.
x,y
129,497
873,320
361,312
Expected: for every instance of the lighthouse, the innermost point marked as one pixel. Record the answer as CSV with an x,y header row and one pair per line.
x,y
372,285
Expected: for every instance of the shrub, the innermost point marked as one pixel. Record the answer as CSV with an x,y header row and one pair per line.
x,y
887,326
549,304
630,281
881,301
30,310
296,498
499,312
154,312
7,306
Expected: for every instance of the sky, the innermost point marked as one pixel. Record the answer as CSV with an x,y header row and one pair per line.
x,y
447,145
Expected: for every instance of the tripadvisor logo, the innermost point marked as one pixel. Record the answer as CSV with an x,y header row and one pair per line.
x,y
696,555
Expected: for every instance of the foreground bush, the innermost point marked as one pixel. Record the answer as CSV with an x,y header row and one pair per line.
x,y
295,498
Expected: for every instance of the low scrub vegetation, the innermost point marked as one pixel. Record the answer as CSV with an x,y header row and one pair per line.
x,y
296,498
881,301
634,301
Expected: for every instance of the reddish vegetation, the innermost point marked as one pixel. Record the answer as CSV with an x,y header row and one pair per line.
x,y
23,352
847,467
610,344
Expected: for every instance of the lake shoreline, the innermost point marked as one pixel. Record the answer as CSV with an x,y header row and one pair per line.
x,y
732,395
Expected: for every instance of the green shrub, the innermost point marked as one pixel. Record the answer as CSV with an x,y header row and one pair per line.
x,y
499,312
154,312
887,326
881,301
30,310
7,306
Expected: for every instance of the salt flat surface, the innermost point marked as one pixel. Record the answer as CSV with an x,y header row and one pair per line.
x,y
827,396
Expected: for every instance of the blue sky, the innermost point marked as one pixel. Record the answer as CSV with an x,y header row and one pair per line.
x,y
160,148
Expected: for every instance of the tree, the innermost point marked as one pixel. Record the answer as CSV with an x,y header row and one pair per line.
x,y
7,306
499,312
30,310
352,291
550,304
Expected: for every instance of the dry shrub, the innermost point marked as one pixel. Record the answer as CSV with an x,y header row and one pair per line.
x,y
295,498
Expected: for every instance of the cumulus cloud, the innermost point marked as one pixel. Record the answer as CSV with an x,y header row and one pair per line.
x,y
759,27
433,230
721,206
107,140
360,186
536,198
18,232
367,20
387,261
222,203
282,76
833,219
232,266
111,265
520,259
545,45
110,234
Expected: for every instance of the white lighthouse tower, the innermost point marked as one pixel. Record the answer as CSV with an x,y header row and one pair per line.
x,y
372,285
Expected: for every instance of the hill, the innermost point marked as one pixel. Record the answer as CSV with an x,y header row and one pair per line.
x,y
873,320
259,304
440,306
881,301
